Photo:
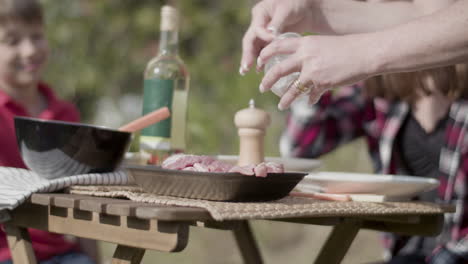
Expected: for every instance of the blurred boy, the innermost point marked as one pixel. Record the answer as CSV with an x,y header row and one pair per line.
x,y
23,53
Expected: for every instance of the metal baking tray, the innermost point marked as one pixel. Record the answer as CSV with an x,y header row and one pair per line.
x,y
212,185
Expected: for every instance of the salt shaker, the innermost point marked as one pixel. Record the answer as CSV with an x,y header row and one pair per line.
x,y
251,123
281,86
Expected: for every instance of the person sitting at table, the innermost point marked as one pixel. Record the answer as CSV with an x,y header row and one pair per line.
x,y
23,54
415,124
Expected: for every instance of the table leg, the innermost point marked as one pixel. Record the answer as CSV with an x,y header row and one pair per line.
x,y
127,255
19,243
247,245
338,242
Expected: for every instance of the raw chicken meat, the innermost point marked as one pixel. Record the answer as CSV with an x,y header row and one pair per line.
x,y
210,164
181,161
246,170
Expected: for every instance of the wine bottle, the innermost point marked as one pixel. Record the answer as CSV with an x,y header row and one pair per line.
x,y
166,83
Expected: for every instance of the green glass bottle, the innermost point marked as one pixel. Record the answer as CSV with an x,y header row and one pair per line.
x,y
166,83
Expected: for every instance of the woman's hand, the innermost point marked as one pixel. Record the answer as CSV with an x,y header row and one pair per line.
x,y
270,17
324,62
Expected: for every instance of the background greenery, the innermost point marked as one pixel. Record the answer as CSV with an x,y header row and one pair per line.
x,y
100,50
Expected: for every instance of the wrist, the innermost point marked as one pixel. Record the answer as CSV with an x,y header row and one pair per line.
x,y
314,5
317,22
376,53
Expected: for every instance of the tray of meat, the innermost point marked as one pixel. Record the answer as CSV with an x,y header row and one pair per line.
x,y
204,177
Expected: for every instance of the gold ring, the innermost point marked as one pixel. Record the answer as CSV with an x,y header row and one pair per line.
x,y
300,87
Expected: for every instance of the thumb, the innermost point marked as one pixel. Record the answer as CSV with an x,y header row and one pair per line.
x,y
278,21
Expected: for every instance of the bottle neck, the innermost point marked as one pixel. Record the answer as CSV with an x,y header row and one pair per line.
x,y
168,42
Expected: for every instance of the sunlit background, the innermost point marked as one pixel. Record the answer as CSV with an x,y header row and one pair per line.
x,y
99,52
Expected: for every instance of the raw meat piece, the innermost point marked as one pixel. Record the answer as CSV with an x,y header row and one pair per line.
x,y
180,161
219,166
261,170
200,167
274,167
210,164
246,170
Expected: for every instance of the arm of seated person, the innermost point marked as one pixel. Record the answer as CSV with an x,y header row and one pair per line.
x,y
338,118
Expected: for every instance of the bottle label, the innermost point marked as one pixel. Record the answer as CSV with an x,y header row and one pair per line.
x,y
157,93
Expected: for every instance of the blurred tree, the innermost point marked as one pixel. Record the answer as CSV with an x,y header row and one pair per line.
x,y
100,50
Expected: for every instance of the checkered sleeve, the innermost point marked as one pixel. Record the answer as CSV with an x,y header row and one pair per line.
x,y
314,130
458,247
456,250
453,253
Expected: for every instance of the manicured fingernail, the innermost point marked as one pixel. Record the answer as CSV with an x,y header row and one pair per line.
x,y
261,88
281,107
259,62
241,71
273,30
245,68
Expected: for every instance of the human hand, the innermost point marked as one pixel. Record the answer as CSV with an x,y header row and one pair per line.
x,y
324,62
269,18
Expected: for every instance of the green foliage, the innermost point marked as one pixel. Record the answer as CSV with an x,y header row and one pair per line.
x,y
100,49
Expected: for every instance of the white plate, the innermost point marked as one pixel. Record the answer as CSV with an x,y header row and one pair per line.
x,y
359,183
290,164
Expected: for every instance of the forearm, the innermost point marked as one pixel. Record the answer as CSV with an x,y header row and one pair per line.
x,y
431,41
349,16
314,130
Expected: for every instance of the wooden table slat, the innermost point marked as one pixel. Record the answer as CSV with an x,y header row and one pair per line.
x,y
102,205
40,198
65,201
173,213
167,236
122,207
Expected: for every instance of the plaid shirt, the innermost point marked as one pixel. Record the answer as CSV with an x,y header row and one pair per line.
x,y
338,119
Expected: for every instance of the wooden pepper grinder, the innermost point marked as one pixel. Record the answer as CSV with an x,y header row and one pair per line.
x,y
251,123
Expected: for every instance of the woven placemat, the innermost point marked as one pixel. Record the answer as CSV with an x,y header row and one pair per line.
x,y
283,208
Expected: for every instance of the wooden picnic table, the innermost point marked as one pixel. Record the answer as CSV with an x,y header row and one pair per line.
x,y
136,226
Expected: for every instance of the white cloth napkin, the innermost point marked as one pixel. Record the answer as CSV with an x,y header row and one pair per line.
x,y
16,185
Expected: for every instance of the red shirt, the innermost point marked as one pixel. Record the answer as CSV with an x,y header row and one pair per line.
x,y
45,244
